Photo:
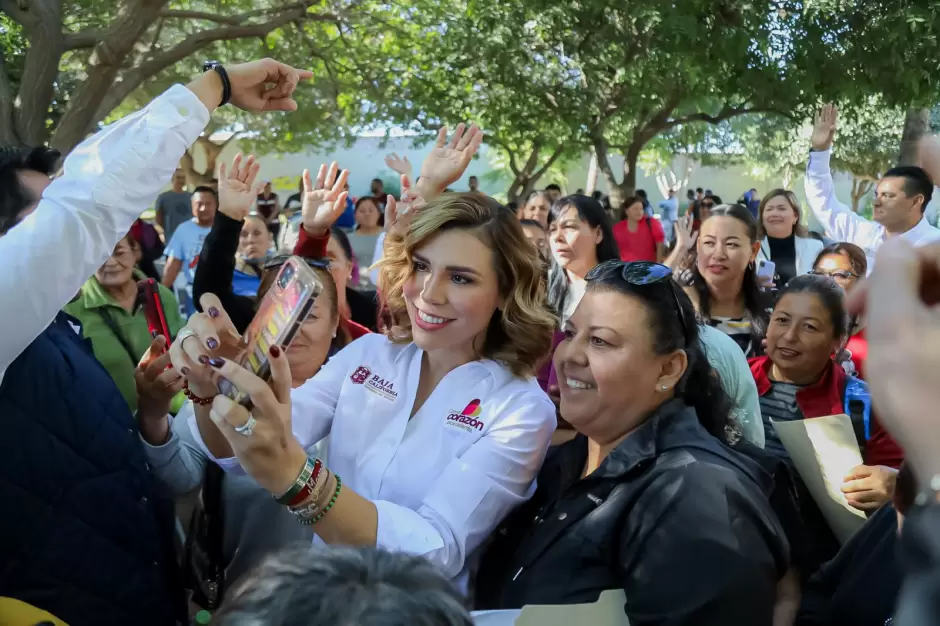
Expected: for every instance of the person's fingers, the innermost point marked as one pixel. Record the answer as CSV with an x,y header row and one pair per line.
x,y
894,286
181,361
211,304
340,183
458,133
321,178
464,141
227,416
864,505
391,211
854,486
866,495
280,104
331,172
859,471
156,348
474,144
252,172
280,374
167,378
257,389
405,184
198,347
441,137
158,366
222,170
339,205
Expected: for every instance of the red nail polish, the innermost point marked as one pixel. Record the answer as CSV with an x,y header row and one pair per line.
x,y
275,351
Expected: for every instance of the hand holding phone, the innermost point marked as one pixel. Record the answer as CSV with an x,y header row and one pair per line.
x,y
765,272
149,292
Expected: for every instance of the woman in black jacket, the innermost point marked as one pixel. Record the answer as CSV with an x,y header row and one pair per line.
x,y
648,498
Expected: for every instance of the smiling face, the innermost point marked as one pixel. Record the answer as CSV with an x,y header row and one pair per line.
x,y
537,209
801,337
724,250
311,345
254,239
574,242
839,268
610,377
118,270
452,293
779,217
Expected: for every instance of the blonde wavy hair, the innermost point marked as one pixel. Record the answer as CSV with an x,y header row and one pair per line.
x,y
520,333
798,229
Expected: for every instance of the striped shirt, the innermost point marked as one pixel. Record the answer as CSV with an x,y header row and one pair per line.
x,y
738,329
778,404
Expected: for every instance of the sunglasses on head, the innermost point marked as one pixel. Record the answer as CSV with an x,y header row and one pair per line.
x,y
277,261
638,274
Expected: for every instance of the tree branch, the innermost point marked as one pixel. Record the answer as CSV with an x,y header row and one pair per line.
x,y
17,14
551,161
83,40
513,162
7,128
37,84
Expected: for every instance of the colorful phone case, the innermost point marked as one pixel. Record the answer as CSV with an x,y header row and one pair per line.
x,y
283,310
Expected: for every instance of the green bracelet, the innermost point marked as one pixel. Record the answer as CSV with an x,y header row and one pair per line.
x,y
329,505
299,483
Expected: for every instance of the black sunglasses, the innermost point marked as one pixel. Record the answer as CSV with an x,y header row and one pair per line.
x,y
277,261
639,274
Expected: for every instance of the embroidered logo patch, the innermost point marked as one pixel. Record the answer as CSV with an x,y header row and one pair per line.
x,y
466,419
381,387
360,375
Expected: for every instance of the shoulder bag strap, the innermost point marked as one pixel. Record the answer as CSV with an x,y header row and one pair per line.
x,y
113,327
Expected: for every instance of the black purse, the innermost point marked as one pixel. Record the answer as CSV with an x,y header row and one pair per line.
x,y
203,569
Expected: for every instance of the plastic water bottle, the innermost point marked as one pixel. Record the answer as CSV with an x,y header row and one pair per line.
x,y
857,391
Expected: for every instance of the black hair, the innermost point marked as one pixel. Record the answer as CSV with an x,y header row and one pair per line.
x,y
531,223
916,182
553,187
627,203
14,197
207,189
830,294
756,300
853,253
690,194
371,199
715,199
378,180
597,195
473,178
642,194
905,489
699,190
590,211
340,235
698,387
513,206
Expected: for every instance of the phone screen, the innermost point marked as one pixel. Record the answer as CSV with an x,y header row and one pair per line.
x,y
766,269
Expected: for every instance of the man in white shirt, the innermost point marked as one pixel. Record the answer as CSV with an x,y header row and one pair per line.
x,y
89,538
901,197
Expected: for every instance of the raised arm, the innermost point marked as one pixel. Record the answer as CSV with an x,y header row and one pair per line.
x,y
108,181
840,221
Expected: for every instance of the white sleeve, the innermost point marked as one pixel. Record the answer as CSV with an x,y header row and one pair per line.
x,y
377,256
474,492
108,181
313,405
840,222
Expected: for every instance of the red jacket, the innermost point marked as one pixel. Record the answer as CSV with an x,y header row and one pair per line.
x,y
311,247
825,397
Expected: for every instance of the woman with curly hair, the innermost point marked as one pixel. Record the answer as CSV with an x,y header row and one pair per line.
x,y
438,428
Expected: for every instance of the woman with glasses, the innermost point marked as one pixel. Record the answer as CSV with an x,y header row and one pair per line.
x,y
846,264
648,498
784,240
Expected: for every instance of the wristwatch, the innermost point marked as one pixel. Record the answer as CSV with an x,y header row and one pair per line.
x,y
218,68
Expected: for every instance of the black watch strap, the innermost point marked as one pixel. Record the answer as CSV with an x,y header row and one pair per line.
x,y
219,69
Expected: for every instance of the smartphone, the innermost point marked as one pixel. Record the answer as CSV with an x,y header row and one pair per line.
x,y
149,293
281,313
766,270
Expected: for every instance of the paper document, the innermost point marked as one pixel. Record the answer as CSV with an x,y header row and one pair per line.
x,y
607,611
824,450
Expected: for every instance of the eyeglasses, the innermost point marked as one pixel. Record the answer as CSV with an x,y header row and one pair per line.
x,y
639,274
837,275
277,261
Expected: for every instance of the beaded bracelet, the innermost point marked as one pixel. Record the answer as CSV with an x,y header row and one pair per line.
x,y
326,509
196,399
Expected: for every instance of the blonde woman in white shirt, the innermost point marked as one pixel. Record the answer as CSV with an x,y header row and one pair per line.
x,y
436,431
783,239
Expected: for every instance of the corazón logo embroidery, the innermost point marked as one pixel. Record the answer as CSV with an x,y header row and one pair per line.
x,y
467,419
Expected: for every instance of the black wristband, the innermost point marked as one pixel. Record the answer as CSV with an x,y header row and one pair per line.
x,y
223,75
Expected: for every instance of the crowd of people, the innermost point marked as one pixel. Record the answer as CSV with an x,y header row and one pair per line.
x,y
488,407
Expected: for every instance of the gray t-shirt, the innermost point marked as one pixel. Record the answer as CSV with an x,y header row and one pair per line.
x,y
779,404
177,208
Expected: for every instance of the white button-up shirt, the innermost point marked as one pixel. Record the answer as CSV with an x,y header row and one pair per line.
x,y
442,480
843,224
108,181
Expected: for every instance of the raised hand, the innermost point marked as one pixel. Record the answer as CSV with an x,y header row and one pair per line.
x,y
398,164
265,85
156,383
324,200
237,187
398,215
685,238
824,128
449,160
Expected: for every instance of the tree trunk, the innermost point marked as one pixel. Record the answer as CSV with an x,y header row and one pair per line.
x,y
37,84
860,188
195,178
517,190
103,66
591,183
916,125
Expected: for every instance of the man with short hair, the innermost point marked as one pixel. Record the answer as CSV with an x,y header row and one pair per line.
x,y
182,251
474,184
901,197
24,175
554,192
340,586
669,213
172,207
